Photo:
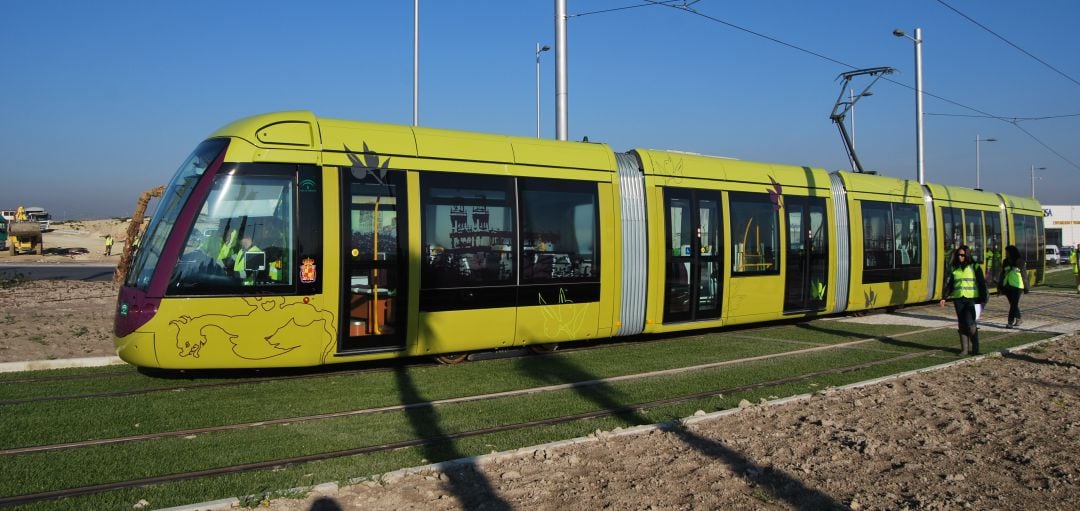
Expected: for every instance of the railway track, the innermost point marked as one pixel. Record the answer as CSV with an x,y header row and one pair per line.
x,y
483,397
436,440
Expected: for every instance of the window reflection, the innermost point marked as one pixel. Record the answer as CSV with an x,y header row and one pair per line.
x,y
755,234
242,239
558,231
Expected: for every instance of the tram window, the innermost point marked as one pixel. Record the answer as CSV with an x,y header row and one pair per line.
x,y
468,233
181,187
892,242
558,231
953,229
755,232
242,215
1027,239
877,236
993,247
908,235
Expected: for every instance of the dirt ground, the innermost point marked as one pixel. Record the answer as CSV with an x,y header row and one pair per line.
x,y
61,319
998,433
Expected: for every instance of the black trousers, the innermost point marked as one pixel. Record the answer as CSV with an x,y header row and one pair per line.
x,y
965,314
1013,295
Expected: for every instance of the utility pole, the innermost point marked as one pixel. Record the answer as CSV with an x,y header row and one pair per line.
x,y
416,64
560,70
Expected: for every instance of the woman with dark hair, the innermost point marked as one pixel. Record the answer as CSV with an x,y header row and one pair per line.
x,y
966,286
1012,282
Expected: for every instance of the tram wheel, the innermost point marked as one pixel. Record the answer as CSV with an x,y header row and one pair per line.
x,y
541,349
451,358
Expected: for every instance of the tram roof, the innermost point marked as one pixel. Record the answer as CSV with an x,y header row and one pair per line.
x,y
302,130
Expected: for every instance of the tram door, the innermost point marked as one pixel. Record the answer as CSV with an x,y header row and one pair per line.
x,y
807,254
693,276
374,259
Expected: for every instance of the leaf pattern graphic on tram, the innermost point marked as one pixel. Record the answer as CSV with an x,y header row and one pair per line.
x,y
562,322
369,166
776,195
271,327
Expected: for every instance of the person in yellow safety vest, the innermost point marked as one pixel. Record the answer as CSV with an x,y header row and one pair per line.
x,y
966,287
108,244
20,215
1074,259
817,289
228,247
247,246
1012,282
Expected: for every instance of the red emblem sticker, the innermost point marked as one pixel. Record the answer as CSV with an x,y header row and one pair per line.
x,y
307,271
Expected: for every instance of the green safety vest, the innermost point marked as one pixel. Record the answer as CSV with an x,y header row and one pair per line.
x,y
964,282
1074,258
1013,277
227,247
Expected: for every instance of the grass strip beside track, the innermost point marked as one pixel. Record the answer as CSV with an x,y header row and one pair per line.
x,y
301,439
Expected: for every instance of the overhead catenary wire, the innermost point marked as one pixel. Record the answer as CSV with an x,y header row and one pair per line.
x,y
1010,43
686,7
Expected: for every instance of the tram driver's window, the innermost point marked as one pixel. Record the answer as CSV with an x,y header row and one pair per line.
x,y
242,239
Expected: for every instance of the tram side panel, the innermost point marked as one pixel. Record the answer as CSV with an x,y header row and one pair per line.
x,y
889,258
1024,218
735,242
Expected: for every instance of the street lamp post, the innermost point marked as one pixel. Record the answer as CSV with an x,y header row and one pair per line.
x,y
978,183
1033,169
851,101
918,100
416,64
539,50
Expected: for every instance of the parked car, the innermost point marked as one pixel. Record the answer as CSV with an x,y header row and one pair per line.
x,y
1052,254
1063,255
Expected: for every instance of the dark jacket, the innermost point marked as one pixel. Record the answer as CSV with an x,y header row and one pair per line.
x,y
980,285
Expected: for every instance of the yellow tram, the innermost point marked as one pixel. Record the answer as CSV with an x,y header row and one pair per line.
x,y
290,240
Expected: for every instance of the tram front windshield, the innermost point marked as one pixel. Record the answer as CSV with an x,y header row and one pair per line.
x,y
172,202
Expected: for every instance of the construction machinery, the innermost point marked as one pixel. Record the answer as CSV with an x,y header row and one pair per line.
x,y
24,235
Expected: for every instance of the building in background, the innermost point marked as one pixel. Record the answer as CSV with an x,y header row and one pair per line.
x,y
1062,225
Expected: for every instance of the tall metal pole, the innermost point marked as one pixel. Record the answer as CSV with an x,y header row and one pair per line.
x,y
538,51
978,153
919,106
978,185
560,70
1033,169
416,64
851,98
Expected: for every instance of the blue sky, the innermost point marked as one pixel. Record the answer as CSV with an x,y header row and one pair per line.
x,y
102,100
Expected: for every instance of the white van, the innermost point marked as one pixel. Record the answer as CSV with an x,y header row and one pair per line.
x,y
1052,254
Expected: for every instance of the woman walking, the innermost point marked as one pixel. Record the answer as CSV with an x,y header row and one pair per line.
x,y
1012,282
966,286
